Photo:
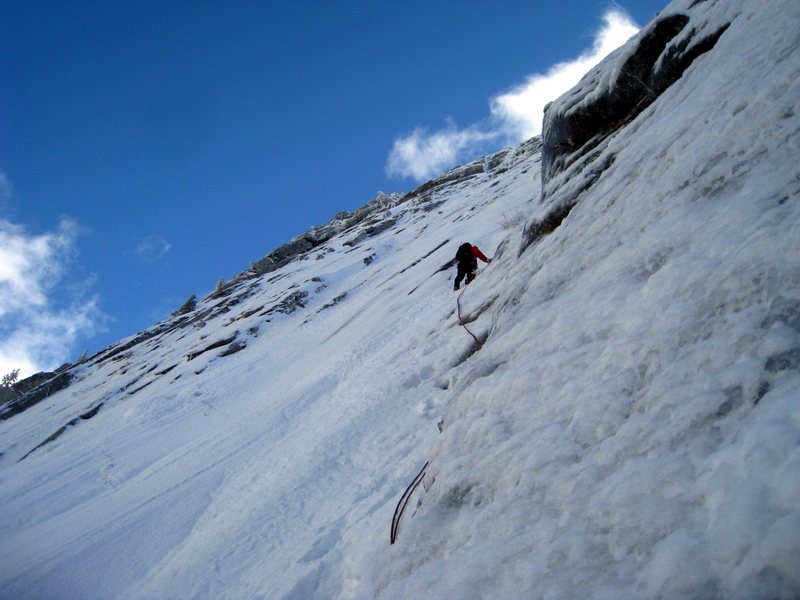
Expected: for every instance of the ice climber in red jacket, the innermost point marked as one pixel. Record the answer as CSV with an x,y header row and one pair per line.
x,y
467,261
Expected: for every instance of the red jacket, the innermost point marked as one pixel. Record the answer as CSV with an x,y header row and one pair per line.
x,y
478,254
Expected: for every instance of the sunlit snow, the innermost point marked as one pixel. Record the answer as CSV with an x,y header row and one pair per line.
x,y
628,429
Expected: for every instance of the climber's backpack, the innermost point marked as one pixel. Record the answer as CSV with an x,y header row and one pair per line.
x,y
464,253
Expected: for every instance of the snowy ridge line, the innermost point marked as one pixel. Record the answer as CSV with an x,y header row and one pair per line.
x,y
401,505
361,224
367,219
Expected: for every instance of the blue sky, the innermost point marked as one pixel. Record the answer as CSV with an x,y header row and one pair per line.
x,y
149,148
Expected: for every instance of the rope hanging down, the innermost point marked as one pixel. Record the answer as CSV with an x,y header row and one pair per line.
x,y
461,321
401,506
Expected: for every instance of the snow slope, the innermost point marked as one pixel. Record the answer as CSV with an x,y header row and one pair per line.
x,y
628,429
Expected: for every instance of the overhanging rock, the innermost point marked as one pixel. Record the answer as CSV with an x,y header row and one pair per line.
x,y
606,99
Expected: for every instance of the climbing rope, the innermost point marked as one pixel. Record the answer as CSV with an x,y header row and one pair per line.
x,y
461,321
401,506
406,497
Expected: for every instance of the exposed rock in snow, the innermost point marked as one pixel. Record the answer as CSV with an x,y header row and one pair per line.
x,y
291,303
212,346
33,389
629,80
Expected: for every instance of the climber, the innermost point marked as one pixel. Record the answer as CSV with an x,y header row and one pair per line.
x,y
467,261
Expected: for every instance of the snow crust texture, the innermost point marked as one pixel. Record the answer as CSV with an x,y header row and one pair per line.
x,y
629,427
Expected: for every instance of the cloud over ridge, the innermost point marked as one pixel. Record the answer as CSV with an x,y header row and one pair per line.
x,y
37,330
515,115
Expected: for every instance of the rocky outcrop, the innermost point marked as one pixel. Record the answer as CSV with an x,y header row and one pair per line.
x,y
316,236
491,165
212,346
452,176
34,389
281,256
290,303
602,103
579,128
61,430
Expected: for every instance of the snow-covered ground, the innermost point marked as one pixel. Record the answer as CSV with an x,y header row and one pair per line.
x,y
629,428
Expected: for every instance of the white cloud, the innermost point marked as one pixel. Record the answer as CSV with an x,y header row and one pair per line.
x,y
519,111
152,248
515,115
421,155
38,327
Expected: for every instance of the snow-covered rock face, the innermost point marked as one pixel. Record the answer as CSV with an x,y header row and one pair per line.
x,y
578,126
629,427
627,82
